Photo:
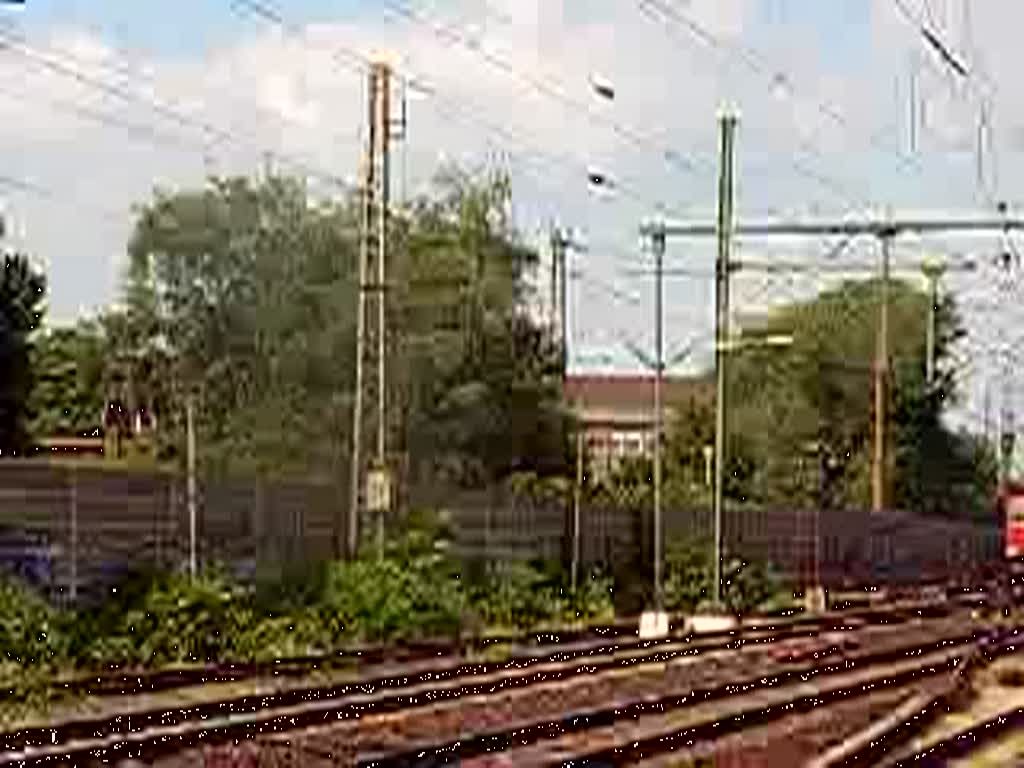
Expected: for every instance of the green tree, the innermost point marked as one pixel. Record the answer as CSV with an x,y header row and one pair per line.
x,y
22,289
477,376
69,369
247,294
242,293
800,421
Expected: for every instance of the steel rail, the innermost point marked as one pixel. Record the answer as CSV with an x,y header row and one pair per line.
x,y
171,730
631,748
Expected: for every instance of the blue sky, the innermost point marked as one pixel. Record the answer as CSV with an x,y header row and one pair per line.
x,y
193,27
174,29
287,96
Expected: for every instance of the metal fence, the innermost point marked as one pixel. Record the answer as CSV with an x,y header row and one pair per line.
x,y
75,529
805,546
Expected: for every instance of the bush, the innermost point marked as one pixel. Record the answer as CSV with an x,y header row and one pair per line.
x,y
291,587
525,596
538,489
593,598
34,649
689,576
689,581
272,637
389,600
168,619
415,591
752,586
25,690
516,595
30,630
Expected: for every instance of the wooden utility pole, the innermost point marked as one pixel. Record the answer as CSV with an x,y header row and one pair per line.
x,y
383,133
556,252
561,243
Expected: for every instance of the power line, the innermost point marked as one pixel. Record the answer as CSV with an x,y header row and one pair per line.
x,y
456,109
668,11
628,133
48,193
933,40
146,130
17,44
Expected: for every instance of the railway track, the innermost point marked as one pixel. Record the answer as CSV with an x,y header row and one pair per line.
x,y
150,734
635,728
968,740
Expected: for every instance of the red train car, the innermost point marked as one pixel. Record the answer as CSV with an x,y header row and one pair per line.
x,y
1011,520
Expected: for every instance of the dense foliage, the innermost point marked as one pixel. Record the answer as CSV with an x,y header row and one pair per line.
x,y
244,294
69,388
22,288
413,590
689,581
29,627
524,596
800,418
35,648
159,619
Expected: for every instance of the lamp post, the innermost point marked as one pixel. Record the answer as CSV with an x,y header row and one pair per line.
x,y
603,87
561,243
658,365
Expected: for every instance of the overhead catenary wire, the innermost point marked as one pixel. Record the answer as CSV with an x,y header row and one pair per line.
x,y
932,38
146,131
626,132
65,65
142,128
36,189
669,14
458,109
756,62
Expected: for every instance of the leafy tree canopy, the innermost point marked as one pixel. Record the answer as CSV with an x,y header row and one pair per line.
x,y
67,396
245,295
800,418
22,289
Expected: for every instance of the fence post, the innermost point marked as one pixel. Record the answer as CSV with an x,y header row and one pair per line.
x,y
489,500
193,562
73,510
256,522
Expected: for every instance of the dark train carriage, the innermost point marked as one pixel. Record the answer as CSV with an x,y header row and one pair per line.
x,y
904,549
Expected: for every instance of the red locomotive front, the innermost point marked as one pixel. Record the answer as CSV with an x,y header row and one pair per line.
x,y
1011,507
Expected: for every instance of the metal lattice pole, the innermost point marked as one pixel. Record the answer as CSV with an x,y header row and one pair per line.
x,y
724,233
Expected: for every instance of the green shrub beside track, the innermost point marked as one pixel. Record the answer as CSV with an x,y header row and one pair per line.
x,y
413,591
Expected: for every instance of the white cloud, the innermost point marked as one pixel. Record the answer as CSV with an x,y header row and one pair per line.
x,y
289,95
